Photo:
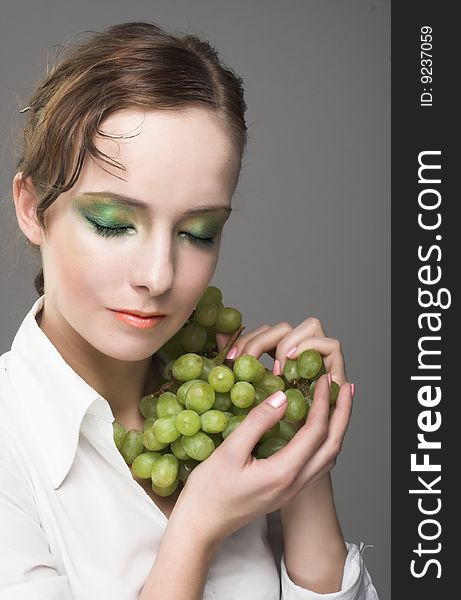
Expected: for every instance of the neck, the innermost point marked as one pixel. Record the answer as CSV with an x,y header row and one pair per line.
x,y
121,383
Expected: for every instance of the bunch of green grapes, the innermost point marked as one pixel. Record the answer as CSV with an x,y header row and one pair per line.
x,y
203,400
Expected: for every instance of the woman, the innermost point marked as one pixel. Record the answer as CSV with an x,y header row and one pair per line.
x,y
75,522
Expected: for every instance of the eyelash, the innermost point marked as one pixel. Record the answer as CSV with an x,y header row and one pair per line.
x,y
116,231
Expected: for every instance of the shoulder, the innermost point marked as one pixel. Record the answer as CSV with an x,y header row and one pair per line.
x,y
12,456
9,407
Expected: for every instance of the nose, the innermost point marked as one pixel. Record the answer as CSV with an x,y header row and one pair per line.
x,y
154,263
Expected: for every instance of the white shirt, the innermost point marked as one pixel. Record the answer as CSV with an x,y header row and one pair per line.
x,y
74,524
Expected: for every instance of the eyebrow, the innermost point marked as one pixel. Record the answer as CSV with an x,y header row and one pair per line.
x,y
119,199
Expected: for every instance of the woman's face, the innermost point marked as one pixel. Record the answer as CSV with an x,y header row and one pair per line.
x,y
157,255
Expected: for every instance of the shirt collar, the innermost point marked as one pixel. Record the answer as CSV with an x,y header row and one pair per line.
x,y
54,397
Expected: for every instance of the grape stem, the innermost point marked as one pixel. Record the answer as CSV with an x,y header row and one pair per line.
x,y
220,358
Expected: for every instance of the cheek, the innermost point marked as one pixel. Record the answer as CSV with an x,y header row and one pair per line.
x,y
79,266
194,275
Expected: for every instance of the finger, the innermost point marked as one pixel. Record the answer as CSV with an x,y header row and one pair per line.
x,y
309,437
223,338
331,352
241,442
238,342
310,327
327,453
324,459
263,341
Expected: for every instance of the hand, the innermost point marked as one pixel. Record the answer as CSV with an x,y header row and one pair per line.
x,y
232,488
280,339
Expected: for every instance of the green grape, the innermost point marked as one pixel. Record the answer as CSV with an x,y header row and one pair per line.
x,y
174,386
246,367
270,433
213,421
182,390
287,430
206,314
148,406
296,407
212,295
165,429
198,446
200,397
233,423
178,449
229,319
270,446
309,363
186,467
261,395
193,337
119,434
172,348
229,414
290,371
167,370
165,470
222,401
271,383
217,438
221,378
242,394
187,367
236,410
260,374
143,464
151,442
322,371
166,491
208,365
188,422
334,391
168,404
210,345
132,445
149,422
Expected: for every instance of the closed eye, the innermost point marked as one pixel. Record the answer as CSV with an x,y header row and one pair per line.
x,y
202,242
109,231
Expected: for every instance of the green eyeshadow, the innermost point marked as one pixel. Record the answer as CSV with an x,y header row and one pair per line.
x,y
106,213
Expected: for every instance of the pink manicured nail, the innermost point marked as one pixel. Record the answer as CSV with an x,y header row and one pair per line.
x,y
232,353
276,368
329,380
277,399
291,351
352,389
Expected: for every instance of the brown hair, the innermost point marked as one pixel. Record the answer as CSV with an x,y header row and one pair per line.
x,y
129,64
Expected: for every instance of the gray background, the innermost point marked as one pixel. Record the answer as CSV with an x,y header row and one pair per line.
x,y
310,235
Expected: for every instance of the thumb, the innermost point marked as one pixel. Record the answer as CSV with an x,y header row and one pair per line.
x,y
243,439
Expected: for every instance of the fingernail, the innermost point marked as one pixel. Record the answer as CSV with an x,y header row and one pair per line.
x,y
232,353
352,389
291,351
329,380
277,399
276,369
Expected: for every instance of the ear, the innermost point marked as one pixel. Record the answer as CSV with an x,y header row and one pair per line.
x,y
25,202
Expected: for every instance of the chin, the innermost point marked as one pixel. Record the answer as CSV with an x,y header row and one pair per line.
x,y
126,351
